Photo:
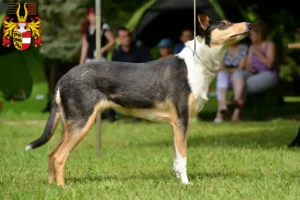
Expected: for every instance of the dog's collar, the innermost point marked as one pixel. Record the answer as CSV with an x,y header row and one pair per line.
x,y
195,53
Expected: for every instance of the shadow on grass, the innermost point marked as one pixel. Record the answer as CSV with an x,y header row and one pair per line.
x,y
264,139
252,140
155,176
158,175
167,176
250,175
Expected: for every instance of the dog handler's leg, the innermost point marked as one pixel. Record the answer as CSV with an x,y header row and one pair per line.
x,y
180,144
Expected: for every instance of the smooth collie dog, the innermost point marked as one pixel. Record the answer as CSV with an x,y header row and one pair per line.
x,y
169,90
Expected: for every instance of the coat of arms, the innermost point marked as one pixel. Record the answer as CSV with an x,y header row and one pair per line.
x,y
22,30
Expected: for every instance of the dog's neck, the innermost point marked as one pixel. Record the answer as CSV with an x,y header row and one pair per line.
x,y
208,56
202,67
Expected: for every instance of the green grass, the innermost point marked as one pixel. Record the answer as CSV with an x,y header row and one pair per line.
x,y
292,99
248,160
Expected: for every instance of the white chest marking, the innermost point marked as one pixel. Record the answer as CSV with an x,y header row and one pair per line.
x,y
199,77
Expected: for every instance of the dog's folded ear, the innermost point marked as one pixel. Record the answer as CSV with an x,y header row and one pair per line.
x,y
204,21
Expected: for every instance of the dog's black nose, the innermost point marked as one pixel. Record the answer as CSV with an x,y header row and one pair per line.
x,y
249,25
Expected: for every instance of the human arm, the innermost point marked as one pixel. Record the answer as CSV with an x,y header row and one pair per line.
x,y
269,59
242,64
111,41
84,48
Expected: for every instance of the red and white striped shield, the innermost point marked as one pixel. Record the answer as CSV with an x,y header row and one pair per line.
x,y
22,40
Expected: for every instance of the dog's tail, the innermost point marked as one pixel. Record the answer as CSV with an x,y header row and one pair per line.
x,y
50,126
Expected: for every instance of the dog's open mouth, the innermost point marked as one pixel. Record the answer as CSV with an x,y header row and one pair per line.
x,y
241,34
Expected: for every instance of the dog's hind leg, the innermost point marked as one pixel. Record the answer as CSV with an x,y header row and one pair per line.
x,y
180,144
74,132
51,168
72,136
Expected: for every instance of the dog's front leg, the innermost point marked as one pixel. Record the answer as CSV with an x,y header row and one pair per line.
x,y
180,144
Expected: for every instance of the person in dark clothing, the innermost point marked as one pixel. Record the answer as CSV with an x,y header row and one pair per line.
x,y
186,35
128,51
88,35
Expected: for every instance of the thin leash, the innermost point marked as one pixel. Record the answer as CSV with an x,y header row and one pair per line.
x,y
195,5
194,52
212,71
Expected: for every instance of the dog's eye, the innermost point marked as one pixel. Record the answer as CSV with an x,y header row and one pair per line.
x,y
222,23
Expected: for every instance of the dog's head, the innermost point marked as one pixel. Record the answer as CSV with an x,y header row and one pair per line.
x,y
222,33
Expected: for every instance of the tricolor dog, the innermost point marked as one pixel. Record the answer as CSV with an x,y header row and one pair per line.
x,y
169,90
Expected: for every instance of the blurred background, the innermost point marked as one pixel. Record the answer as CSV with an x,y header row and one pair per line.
x,y
28,78
245,160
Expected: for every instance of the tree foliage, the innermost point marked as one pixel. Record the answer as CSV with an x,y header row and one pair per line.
x,y
61,28
61,23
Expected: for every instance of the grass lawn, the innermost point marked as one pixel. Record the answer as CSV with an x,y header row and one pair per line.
x,y
248,160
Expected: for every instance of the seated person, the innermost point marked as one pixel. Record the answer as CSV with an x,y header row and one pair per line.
x,y
186,35
128,50
262,68
165,48
235,58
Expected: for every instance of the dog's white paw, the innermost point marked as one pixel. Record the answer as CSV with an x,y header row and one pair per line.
x,y
187,182
184,179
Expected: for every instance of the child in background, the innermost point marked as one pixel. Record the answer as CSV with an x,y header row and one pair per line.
x,y
165,48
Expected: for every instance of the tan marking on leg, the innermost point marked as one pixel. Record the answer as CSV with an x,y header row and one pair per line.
x,y
61,155
51,167
72,136
192,104
180,138
161,112
180,144
195,105
57,97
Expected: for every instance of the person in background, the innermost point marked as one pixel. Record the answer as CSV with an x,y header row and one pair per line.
x,y
165,48
235,58
186,35
128,51
262,68
88,37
